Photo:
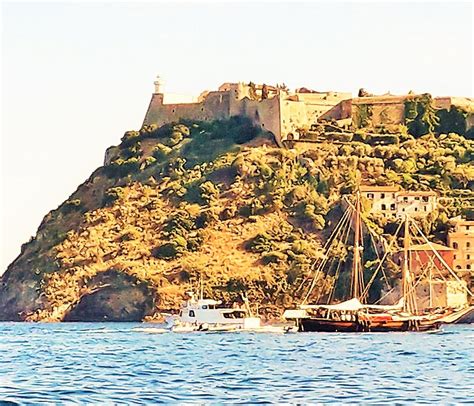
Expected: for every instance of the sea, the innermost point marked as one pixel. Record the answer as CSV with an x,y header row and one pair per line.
x,y
120,363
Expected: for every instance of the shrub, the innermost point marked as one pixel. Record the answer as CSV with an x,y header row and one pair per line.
x,y
72,205
120,167
260,243
160,151
168,251
130,138
274,257
209,191
111,195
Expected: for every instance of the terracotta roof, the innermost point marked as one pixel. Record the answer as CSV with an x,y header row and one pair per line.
x,y
427,247
417,193
375,188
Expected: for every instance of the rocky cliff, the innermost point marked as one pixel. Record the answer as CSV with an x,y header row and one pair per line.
x,y
213,202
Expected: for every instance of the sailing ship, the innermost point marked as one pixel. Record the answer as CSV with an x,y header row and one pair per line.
x,y
355,314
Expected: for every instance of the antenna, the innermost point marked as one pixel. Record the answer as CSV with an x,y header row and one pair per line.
x,y
201,287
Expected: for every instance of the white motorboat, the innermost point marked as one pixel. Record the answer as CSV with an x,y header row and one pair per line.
x,y
209,315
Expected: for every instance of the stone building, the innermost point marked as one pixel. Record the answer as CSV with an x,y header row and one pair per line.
x,y
436,286
275,109
389,110
287,114
391,201
462,240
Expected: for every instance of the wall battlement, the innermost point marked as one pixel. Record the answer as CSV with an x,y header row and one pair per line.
x,y
274,109
287,114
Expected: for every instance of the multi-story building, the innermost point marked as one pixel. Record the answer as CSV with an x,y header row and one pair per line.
x,y
390,201
275,109
462,240
416,204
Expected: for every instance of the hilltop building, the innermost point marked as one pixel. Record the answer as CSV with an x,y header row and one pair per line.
x,y
390,111
275,109
289,114
462,240
391,201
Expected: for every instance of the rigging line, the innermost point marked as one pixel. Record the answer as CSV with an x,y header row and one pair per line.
x,y
378,254
329,242
346,240
378,258
383,260
336,274
441,259
331,238
384,296
435,266
418,281
336,277
338,269
345,229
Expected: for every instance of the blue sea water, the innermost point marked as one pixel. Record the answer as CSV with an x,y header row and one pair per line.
x,y
111,363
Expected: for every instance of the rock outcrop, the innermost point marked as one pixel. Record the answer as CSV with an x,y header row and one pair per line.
x,y
213,202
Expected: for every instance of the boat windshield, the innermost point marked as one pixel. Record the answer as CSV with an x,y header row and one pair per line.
x,y
237,314
210,307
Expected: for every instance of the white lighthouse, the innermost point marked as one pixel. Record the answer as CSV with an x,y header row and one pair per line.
x,y
158,84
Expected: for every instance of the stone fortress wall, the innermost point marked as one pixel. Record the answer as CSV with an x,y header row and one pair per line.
x,y
274,109
286,114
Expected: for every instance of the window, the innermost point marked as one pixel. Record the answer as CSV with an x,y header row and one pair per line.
x,y
405,199
392,206
468,256
384,207
425,208
416,208
468,266
467,228
204,307
468,245
425,198
191,313
417,198
382,195
455,245
454,257
370,195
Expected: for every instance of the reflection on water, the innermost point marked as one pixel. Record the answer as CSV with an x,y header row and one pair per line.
x,y
94,362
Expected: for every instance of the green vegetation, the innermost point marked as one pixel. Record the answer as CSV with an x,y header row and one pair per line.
x,y
220,202
420,115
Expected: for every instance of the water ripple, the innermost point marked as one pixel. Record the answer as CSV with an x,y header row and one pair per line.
x,y
81,363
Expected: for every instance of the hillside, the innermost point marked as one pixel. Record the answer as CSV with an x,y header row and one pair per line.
x,y
220,203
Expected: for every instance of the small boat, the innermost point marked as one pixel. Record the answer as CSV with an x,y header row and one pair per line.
x,y
355,314
209,315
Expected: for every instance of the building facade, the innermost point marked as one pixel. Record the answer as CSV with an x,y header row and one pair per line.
x,y
391,201
275,109
461,239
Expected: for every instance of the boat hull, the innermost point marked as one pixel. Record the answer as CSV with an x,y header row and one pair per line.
x,y
325,325
313,324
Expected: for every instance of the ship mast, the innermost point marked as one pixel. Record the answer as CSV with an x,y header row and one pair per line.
x,y
408,294
356,263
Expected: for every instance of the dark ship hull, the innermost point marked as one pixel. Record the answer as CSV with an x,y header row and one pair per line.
x,y
327,325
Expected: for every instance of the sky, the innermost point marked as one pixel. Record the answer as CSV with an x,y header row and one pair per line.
x,y
76,76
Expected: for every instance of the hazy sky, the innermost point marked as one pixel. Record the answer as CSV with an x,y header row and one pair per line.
x,y
76,76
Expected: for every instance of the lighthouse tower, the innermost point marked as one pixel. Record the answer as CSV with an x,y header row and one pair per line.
x,y
158,84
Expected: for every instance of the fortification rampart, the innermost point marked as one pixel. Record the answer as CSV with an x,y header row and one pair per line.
x,y
286,114
274,109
